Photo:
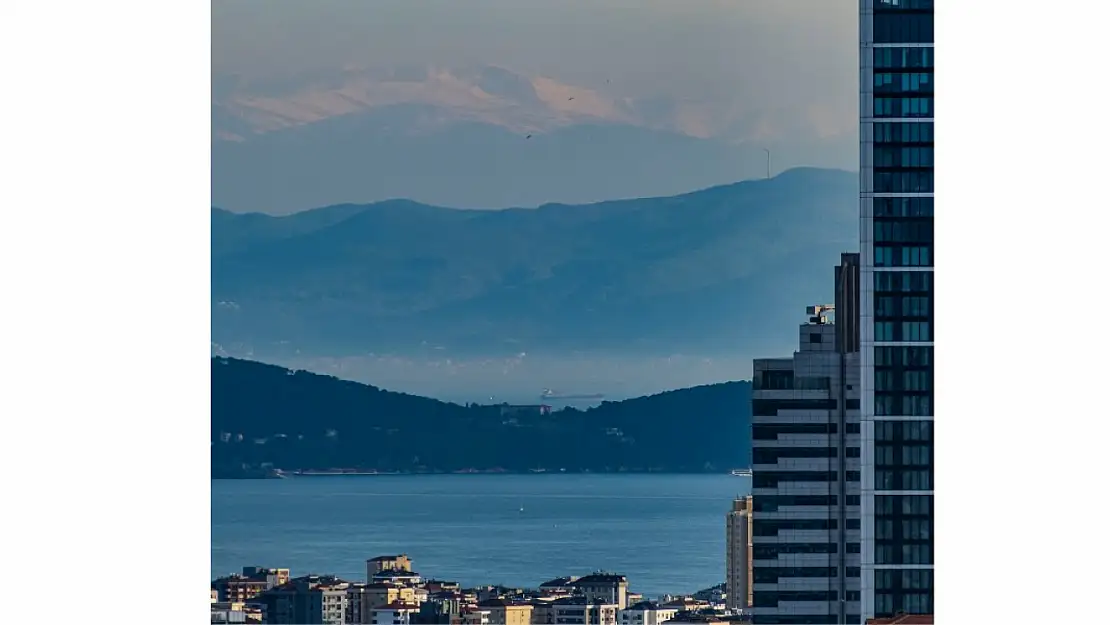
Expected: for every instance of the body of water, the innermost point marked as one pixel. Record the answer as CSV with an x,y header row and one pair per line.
x,y
665,532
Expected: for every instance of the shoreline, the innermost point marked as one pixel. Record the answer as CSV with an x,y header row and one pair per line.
x,y
282,475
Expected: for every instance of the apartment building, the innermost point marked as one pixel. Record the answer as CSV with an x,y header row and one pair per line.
x,y
387,563
738,554
507,612
307,600
605,587
646,613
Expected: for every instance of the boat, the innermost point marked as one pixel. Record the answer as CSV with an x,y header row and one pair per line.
x,y
742,472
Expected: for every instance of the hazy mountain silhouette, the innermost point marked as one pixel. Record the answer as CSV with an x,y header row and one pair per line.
x,y
299,420
711,271
457,137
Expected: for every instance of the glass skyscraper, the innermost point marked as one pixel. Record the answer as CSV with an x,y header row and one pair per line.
x,y
896,306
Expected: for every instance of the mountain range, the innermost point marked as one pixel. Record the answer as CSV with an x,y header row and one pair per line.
x,y
715,271
489,137
269,416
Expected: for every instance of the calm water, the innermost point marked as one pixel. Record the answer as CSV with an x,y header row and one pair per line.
x,y
665,532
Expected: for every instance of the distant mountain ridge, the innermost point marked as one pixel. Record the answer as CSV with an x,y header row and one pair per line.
x,y
714,269
269,416
489,137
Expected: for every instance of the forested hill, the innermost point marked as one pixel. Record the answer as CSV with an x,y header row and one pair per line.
x,y
267,416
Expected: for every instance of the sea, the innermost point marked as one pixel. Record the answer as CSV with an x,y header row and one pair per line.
x,y
666,533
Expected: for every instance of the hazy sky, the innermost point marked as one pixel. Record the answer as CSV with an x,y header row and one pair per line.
x,y
764,53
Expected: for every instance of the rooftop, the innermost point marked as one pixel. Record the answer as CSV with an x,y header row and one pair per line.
x,y
386,558
559,582
602,578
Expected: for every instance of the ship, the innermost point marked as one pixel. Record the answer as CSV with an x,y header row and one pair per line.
x,y
741,472
550,394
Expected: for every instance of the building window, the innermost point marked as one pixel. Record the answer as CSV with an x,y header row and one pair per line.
x,y
814,337
903,181
900,106
903,82
775,380
903,231
901,207
902,26
884,156
902,58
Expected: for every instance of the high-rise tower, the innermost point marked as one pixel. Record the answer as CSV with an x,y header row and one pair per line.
x,y
896,306
738,554
806,469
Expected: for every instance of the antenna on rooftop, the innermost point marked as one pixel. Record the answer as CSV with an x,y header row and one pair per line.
x,y
818,314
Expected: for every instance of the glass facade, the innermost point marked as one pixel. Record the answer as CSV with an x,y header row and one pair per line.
x,y
896,307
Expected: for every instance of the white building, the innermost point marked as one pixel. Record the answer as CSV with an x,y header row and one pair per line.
x,y
646,613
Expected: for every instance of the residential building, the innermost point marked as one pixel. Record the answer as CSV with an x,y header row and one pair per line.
x,y
358,606
581,610
506,612
543,611
215,594
397,576
476,616
387,563
806,469
396,613
238,588
896,312
307,600
223,612
441,607
273,577
380,594
738,554
559,585
606,587
646,613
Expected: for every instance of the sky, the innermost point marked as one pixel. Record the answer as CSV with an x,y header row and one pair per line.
x,y
760,54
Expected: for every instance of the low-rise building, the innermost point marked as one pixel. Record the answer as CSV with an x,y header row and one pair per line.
x,y
439,585
582,610
387,563
606,587
476,616
381,594
647,613
397,576
507,612
238,588
441,608
307,600
274,577
396,613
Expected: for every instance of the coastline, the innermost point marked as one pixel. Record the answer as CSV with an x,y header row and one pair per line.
x,y
279,474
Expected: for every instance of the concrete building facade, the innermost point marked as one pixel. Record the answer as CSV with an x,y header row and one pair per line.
x,y
646,613
606,587
738,555
308,600
806,469
896,313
